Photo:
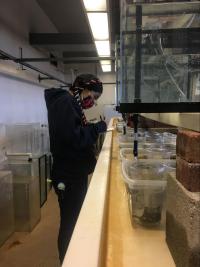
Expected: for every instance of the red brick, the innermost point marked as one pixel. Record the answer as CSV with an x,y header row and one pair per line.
x,y
188,145
188,174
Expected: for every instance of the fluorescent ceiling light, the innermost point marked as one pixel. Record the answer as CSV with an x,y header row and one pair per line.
x,y
99,25
95,5
106,68
103,48
105,62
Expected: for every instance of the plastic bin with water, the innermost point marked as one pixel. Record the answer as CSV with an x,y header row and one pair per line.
x,y
146,181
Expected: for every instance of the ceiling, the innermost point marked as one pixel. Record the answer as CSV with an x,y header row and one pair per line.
x,y
74,38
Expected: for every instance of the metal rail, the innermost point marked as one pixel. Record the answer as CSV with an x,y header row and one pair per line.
x,y
6,56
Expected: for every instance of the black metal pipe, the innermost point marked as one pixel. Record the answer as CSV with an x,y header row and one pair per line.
x,y
138,52
135,144
64,59
7,56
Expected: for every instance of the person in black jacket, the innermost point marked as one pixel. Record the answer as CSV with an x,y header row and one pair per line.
x,y
72,142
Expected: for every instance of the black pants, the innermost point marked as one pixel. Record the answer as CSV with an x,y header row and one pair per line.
x,y
70,203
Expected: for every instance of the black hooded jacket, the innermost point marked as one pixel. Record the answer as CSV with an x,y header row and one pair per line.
x,y
71,143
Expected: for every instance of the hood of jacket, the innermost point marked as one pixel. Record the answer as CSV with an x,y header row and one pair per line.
x,y
52,95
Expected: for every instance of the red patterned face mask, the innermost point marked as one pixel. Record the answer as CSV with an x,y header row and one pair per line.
x,y
87,102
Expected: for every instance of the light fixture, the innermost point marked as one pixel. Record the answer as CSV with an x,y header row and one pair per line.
x,y
97,14
105,62
105,65
99,25
106,68
95,5
103,48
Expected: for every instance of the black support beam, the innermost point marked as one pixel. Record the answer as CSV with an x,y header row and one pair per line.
x,y
59,38
159,107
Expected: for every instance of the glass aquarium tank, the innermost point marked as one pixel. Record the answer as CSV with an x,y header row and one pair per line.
x,y
6,206
159,51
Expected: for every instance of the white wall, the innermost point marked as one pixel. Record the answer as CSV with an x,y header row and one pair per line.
x,y
21,95
21,101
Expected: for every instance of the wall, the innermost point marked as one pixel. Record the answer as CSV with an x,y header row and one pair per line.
x,y
21,95
21,101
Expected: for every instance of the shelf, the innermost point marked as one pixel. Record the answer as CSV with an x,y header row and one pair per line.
x,y
186,120
159,107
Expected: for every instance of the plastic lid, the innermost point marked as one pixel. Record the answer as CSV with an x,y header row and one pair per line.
x,y
144,173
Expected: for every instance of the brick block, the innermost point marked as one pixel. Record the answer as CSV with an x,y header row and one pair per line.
x,y
188,174
183,224
188,145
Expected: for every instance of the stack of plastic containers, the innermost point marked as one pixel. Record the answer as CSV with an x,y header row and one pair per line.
x,y
120,125
148,140
26,191
28,166
6,206
146,176
127,154
6,195
44,137
31,141
23,138
146,183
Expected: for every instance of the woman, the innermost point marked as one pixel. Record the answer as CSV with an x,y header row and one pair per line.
x,y
71,142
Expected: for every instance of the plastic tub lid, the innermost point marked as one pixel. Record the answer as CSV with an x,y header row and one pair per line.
x,y
148,173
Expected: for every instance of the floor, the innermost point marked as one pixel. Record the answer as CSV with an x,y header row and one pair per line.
x,y
38,248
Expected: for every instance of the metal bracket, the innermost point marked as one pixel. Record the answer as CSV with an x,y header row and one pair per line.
x,y
40,78
21,57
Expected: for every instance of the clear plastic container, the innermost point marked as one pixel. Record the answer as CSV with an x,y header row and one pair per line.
x,y
27,165
44,136
169,138
3,157
26,190
161,152
23,138
126,141
2,145
146,182
26,203
170,166
120,125
127,154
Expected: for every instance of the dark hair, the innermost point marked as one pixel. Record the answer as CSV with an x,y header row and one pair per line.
x,y
89,81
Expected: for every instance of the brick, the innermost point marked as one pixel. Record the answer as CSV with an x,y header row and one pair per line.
x,y
183,224
188,145
188,174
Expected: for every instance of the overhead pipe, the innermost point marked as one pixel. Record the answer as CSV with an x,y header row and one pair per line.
x,y
6,56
